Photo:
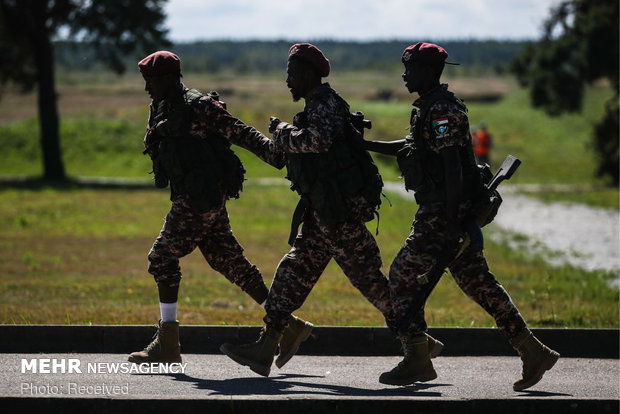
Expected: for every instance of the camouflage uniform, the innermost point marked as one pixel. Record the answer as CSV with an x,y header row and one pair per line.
x,y
195,222
349,242
446,125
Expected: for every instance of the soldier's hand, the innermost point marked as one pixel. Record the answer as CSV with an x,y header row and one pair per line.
x,y
273,124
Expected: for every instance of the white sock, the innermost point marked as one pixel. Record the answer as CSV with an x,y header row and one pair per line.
x,y
168,311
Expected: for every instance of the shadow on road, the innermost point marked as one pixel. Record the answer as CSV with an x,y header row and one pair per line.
x,y
291,384
527,393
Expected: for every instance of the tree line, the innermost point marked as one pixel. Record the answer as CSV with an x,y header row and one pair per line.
x,y
258,56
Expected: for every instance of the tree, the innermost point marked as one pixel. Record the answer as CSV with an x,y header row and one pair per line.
x,y
29,27
579,46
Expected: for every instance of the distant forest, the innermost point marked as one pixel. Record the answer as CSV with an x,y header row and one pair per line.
x,y
475,56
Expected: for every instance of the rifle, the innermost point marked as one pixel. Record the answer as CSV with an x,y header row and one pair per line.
x,y
473,234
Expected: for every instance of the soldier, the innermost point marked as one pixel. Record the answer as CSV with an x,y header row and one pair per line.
x,y
189,150
437,162
340,189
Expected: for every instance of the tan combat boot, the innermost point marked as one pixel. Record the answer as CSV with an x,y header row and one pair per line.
x,y
415,367
537,358
257,355
295,333
164,348
434,346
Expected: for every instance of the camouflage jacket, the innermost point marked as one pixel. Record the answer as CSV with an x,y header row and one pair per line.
x,y
439,120
312,148
446,123
193,151
326,115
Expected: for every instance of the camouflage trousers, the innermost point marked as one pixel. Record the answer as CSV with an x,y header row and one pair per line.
x,y
470,271
184,230
350,244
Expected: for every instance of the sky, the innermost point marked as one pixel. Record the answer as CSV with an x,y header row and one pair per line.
x,y
360,20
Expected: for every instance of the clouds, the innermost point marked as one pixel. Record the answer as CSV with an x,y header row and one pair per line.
x,y
356,20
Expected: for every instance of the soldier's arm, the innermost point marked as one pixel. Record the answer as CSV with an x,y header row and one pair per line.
x,y
324,123
217,119
385,147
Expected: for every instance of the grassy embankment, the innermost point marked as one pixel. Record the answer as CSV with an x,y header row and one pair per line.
x,y
78,255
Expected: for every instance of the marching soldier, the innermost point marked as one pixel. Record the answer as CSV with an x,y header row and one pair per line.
x,y
186,142
437,163
340,189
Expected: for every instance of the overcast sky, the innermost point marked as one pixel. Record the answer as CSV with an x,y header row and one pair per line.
x,y
356,19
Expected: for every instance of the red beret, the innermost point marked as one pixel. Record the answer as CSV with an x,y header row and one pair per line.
x,y
311,54
424,52
160,63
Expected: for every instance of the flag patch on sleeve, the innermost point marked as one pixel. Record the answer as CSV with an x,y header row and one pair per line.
x,y
441,126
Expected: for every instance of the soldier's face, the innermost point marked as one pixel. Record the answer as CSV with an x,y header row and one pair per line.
x,y
158,87
154,87
420,77
297,79
413,76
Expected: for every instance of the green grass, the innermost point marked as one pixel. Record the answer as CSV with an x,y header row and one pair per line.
x,y
79,256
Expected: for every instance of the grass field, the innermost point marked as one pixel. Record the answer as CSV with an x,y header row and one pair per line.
x,y
78,255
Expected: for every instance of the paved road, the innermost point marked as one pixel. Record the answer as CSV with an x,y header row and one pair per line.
x,y
308,384
215,376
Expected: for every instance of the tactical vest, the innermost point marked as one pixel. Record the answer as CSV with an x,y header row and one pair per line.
x,y
326,180
205,169
422,168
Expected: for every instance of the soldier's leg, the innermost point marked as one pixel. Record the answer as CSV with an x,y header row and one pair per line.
x,y
415,258
472,274
175,240
295,276
225,255
356,252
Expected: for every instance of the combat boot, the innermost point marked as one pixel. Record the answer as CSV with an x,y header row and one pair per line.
x,y
415,367
434,346
537,358
295,333
258,355
165,346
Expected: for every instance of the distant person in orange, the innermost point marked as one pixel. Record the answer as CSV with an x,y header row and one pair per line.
x,y
482,142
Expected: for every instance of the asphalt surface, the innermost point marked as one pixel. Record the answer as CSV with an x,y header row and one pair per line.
x,y
347,383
